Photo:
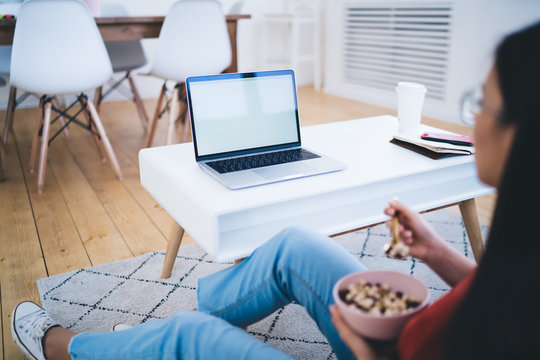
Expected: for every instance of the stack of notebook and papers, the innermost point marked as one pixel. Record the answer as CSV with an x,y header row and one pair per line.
x,y
432,149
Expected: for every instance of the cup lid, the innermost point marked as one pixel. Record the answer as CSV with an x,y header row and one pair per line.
x,y
410,86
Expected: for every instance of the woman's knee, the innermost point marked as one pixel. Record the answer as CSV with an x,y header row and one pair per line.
x,y
305,247
297,245
181,321
190,318
296,240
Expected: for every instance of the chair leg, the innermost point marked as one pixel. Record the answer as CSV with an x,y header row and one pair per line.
x,y
56,104
86,113
44,147
156,116
187,127
182,115
35,137
2,176
172,116
8,125
138,102
97,98
99,146
105,140
3,149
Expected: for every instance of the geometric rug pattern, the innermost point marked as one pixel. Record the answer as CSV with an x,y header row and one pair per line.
x,y
131,291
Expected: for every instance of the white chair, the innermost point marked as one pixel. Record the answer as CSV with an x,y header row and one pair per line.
x,y
236,7
5,64
13,99
193,41
125,56
57,49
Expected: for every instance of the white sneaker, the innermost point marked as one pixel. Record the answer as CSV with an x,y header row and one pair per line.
x,y
29,322
120,327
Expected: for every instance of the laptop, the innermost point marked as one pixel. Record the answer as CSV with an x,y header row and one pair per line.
x,y
246,129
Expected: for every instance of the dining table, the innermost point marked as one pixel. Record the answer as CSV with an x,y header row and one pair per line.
x,y
122,28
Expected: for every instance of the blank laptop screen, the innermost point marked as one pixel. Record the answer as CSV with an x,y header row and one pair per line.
x,y
243,111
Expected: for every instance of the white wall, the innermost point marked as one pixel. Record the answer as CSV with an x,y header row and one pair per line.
x,y
478,26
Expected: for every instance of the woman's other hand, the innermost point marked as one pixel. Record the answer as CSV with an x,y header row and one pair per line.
x,y
358,346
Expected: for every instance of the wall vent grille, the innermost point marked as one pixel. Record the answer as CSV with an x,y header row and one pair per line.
x,y
386,42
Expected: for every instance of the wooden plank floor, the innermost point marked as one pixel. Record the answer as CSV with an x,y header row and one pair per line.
x,y
86,216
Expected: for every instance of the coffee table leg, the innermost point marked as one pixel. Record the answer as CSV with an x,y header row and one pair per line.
x,y
472,225
175,239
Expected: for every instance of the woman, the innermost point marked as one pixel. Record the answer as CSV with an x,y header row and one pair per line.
x,y
497,316
490,313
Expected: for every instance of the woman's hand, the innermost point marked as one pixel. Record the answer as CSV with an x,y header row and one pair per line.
x,y
424,244
359,347
414,231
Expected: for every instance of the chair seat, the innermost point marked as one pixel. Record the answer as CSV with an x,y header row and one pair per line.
x,y
5,59
126,55
60,53
193,41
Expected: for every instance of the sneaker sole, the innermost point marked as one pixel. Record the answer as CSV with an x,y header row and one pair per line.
x,y
16,339
115,327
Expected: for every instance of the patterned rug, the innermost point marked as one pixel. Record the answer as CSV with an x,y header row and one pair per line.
x,y
131,291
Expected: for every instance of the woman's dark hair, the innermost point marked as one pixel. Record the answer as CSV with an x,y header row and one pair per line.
x,y
500,316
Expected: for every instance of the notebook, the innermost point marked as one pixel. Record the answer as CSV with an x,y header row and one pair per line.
x,y
431,149
246,129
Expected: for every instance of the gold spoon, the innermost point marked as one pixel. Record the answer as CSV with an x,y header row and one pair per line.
x,y
395,238
395,220
402,251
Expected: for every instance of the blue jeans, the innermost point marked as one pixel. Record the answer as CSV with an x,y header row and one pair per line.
x,y
296,265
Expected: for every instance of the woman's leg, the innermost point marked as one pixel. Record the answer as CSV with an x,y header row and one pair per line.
x,y
187,335
296,265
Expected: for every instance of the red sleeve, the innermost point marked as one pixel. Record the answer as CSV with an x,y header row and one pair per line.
x,y
424,335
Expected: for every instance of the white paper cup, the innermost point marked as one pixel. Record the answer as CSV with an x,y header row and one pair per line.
x,y
410,100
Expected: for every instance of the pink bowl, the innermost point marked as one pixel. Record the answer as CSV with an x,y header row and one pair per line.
x,y
381,327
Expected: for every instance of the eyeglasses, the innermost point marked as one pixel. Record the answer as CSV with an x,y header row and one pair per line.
x,y
472,104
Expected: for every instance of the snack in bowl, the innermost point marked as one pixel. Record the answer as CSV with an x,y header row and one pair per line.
x,y
377,298
375,323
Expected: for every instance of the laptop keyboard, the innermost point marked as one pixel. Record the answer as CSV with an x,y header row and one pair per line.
x,y
260,160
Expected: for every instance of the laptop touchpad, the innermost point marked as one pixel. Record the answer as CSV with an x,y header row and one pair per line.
x,y
284,171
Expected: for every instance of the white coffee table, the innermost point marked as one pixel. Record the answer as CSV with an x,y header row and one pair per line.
x,y
230,224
